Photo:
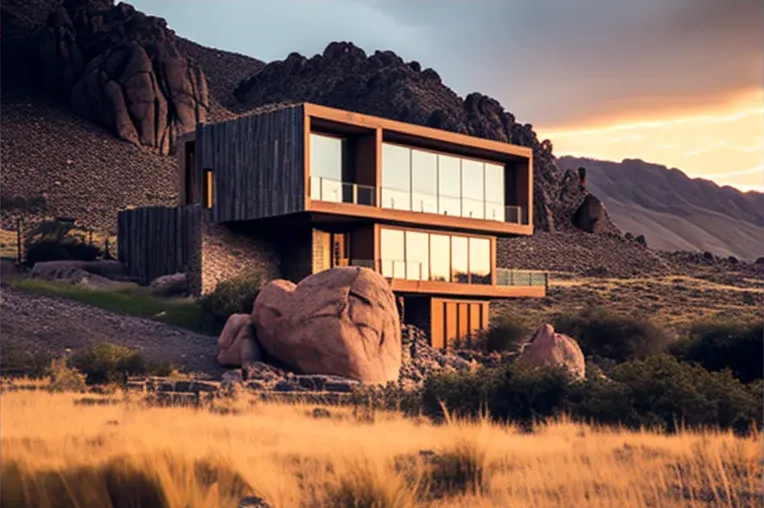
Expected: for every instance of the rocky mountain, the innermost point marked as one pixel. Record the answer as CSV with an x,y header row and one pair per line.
x,y
674,211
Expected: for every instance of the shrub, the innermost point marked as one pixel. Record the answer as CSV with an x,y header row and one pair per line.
x,y
656,392
512,392
604,335
109,363
725,345
15,361
232,296
55,241
503,336
662,391
64,378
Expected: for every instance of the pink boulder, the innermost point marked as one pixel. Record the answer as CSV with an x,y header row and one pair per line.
x,y
547,348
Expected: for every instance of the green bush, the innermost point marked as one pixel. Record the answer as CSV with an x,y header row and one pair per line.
x,y
16,361
605,335
109,363
725,345
56,241
503,335
232,296
657,392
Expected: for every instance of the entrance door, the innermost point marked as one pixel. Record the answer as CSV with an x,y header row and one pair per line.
x,y
339,250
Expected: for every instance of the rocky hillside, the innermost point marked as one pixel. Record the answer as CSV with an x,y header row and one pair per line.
x,y
675,212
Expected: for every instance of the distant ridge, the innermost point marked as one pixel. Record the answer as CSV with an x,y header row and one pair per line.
x,y
674,211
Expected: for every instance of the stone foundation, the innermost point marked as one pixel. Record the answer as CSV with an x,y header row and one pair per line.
x,y
229,252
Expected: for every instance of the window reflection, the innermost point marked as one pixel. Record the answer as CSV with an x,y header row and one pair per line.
x,y
424,181
393,255
440,258
449,185
459,268
494,192
480,261
326,167
472,189
417,255
396,177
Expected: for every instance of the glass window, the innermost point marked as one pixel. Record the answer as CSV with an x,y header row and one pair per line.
x,y
473,189
480,261
392,253
326,168
417,255
440,258
459,268
424,181
396,177
449,185
494,192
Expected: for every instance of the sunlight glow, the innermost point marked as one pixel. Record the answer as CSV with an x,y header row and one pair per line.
x,y
721,143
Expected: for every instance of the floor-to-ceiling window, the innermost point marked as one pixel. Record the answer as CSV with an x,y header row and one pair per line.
x,y
326,167
425,181
421,255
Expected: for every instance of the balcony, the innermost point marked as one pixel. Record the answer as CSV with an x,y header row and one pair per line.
x,y
417,271
336,191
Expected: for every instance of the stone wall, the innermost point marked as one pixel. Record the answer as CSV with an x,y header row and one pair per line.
x,y
231,251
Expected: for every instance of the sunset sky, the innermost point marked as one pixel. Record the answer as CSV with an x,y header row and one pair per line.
x,y
676,82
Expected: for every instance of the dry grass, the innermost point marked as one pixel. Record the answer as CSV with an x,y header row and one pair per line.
x,y
56,451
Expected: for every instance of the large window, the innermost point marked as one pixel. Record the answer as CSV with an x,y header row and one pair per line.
x,y
418,255
396,177
424,181
326,167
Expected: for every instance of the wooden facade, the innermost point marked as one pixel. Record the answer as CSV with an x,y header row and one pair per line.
x,y
156,241
256,164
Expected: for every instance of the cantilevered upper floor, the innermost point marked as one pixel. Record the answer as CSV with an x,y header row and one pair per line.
x,y
290,159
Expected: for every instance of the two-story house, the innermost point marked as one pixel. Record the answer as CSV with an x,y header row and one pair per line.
x,y
296,189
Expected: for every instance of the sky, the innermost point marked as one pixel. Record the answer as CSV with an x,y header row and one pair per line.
x,y
676,82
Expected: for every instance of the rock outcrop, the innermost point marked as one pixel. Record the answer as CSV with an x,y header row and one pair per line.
x,y
341,322
237,344
122,69
547,348
382,84
591,216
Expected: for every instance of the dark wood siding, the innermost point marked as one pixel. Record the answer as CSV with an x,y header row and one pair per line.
x,y
155,241
257,163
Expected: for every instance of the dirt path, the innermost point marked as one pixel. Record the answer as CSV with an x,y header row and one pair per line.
x,y
55,324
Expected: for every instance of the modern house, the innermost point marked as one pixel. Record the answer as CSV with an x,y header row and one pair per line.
x,y
291,190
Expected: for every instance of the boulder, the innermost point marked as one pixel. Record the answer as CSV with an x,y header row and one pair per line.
x,y
237,344
169,285
91,274
122,69
341,322
547,348
591,216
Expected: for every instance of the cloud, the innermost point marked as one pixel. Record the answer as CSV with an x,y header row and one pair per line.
x,y
554,63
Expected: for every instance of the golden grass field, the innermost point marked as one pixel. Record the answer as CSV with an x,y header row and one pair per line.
x,y
57,451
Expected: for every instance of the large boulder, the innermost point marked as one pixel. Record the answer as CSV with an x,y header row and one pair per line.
x,y
237,344
591,216
122,69
547,348
175,284
341,322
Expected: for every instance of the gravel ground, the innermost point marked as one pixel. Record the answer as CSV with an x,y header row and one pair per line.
x,y
56,324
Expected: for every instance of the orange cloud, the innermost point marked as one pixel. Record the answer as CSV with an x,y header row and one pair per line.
x,y
724,142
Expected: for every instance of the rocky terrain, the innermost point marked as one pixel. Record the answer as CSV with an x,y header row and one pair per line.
x,y
675,212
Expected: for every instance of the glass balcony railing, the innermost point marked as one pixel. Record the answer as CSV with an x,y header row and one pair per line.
x,y
509,277
327,189
416,270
